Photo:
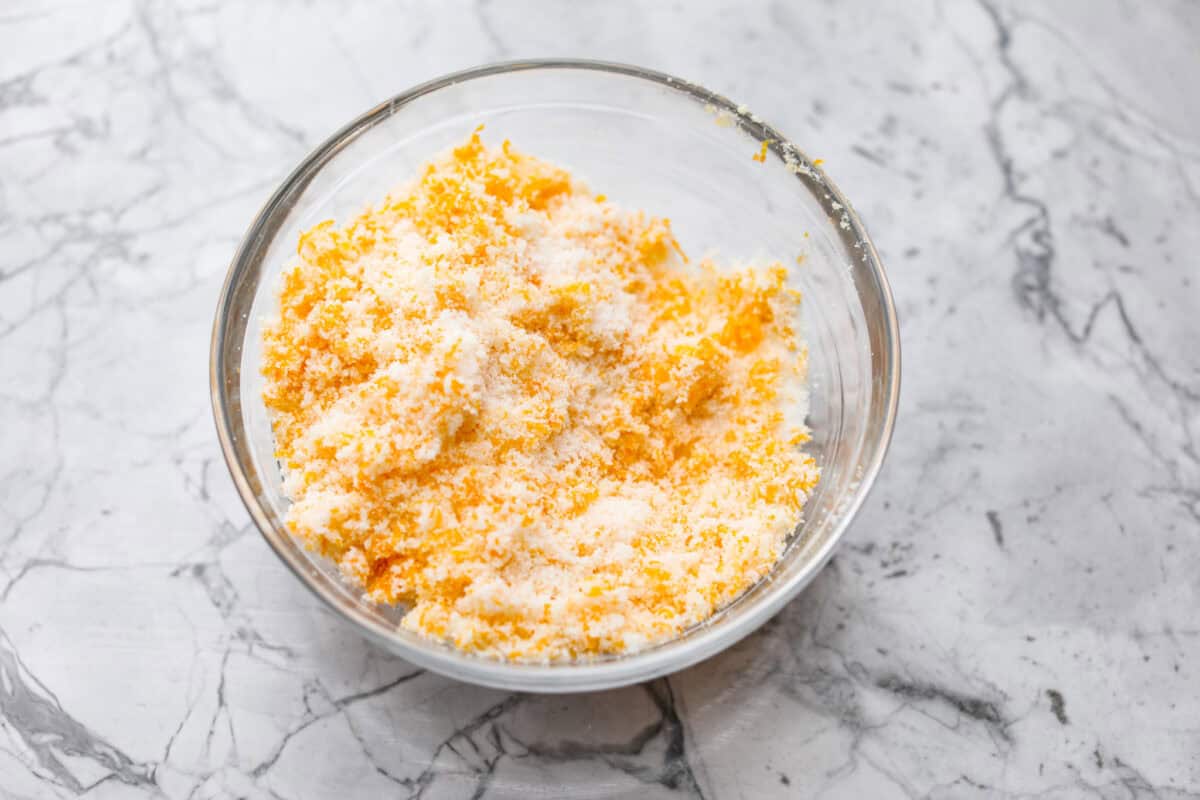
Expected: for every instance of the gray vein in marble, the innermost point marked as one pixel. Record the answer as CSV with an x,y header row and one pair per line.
x,y
51,734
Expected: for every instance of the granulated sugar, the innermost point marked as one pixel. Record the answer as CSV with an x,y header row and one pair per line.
x,y
513,406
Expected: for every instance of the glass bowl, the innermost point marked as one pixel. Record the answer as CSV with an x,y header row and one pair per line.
x,y
648,141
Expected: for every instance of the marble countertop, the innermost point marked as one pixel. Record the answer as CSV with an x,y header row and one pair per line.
x,y
1014,612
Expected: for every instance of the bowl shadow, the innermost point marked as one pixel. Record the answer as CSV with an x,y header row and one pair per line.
x,y
688,732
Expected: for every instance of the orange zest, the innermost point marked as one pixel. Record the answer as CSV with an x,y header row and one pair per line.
x,y
515,408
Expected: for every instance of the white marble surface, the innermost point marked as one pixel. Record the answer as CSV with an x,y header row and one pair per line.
x,y
1014,613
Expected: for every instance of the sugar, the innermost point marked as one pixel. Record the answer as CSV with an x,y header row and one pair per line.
x,y
516,408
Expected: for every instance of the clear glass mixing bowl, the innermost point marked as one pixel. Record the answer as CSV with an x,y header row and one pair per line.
x,y
648,141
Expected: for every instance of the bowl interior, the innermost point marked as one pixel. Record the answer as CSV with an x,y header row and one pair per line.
x,y
648,142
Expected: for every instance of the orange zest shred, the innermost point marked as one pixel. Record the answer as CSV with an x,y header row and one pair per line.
x,y
515,408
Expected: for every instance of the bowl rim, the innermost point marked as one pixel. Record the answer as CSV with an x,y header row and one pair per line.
x,y
575,676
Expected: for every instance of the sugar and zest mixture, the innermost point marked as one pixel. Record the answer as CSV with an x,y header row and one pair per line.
x,y
512,405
